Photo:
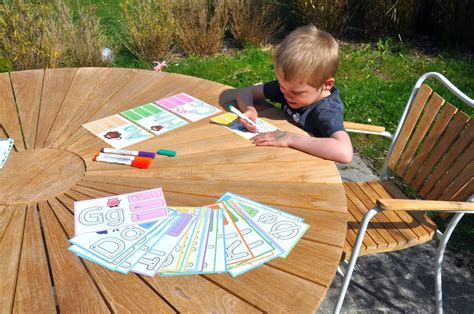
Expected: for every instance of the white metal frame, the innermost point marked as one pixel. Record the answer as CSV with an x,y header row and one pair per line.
x,y
365,222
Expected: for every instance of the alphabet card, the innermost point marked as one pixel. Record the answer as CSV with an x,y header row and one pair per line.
x,y
215,257
188,107
119,211
160,251
154,119
117,131
231,121
6,145
281,227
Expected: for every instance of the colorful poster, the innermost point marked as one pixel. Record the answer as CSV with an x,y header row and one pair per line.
x,y
6,145
117,131
188,107
231,121
153,118
119,211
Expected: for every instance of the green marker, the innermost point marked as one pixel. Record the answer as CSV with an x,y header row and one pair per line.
x,y
166,152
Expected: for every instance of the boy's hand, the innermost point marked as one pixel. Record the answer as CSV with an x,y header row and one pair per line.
x,y
275,138
251,112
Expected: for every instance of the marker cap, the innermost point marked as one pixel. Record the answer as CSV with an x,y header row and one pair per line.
x,y
166,152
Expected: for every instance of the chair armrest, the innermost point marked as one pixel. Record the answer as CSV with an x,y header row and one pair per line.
x,y
363,127
422,205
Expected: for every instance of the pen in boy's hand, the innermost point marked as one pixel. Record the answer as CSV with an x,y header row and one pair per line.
x,y
241,115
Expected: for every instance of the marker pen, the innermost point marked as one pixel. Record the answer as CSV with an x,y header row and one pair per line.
x,y
133,163
241,115
127,152
126,158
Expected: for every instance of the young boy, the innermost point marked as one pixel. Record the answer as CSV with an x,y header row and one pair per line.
x,y
305,64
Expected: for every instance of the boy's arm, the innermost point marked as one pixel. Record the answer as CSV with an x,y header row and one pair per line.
x,y
337,147
245,97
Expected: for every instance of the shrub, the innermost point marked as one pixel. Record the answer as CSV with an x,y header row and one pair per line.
x,y
253,22
200,25
39,34
149,27
389,17
330,15
27,36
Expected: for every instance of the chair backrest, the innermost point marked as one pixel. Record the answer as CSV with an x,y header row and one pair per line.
x,y
433,149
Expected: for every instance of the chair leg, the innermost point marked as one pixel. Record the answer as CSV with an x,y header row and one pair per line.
x,y
439,260
354,255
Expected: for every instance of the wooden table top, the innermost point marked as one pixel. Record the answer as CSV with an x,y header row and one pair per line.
x,y
43,110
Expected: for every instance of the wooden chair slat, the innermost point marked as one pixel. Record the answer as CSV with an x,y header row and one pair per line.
x,y
398,226
28,86
444,118
119,290
8,116
455,149
465,192
432,109
418,104
56,83
378,233
444,143
353,224
465,176
458,168
11,228
72,281
33,289
416,221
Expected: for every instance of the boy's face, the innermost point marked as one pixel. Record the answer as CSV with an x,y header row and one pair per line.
x,y
299,94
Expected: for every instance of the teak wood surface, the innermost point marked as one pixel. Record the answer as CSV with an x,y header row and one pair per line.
x,y
51,167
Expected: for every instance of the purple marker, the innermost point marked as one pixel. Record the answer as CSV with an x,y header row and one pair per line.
x,y
127,152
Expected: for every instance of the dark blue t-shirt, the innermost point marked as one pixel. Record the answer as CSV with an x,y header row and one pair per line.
x,y
321,118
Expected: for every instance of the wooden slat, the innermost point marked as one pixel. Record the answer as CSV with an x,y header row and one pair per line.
x,y
8,112
377,232
28,86
445,142
460,167
55,87
416,222
460,182
353,225
450,153
12,221
34,292
465,192
444,118
72,281
425,122
274,290
83,84
363,127
417,106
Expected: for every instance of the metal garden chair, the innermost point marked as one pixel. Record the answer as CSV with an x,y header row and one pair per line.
x,y
432,151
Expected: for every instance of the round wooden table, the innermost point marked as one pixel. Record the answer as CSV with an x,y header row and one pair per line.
x,y
43,110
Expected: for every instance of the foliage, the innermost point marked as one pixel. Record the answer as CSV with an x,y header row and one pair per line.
x,y
38,34
200,25
329,15
389,17
253,22
149,27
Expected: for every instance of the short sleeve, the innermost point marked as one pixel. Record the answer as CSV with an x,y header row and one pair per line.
x,y
272,92
328,121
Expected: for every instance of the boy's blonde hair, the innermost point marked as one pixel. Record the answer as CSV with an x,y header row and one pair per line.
x,y
308,54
